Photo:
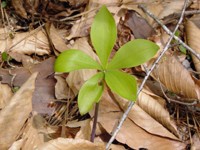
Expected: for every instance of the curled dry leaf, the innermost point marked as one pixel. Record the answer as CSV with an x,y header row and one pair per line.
x,y
71,144
16,112
193,37
177,79
34,42
5,95
151,106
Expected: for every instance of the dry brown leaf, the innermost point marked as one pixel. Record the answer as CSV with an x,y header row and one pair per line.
x,y
151,106
134,136
75,79
5,95
17,145
27,61
35,132
138,25
176,78
155,7
62,90
85,131
171,7
144,120
34,42
193,37
16,112
57,39
71,144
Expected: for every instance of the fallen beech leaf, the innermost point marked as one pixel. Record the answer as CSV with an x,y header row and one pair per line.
x,y
144,120
193,38
16,112
156,111
35,132
134,136
33,42
171,7
85,131
17,145
138,25
57,40
71,144
5,95
177,79
62,90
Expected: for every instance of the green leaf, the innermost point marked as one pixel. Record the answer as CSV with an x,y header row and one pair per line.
x,y
90,93
4,56
133,53
122,83
103,34
3,4
71,60
183,49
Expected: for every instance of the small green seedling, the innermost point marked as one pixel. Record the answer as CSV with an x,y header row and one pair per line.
x,y
103,36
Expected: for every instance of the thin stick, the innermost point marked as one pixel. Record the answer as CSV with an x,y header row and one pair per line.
x,y
121,121
170,33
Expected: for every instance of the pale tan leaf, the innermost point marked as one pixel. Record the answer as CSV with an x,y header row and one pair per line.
x,y
193,38
62,90
134,136
34,42
5,94
151,106
75,79
57,39
144,120
171,7
71,144
16,112
85,131
35,132
17,145
155,7
177,79
116,103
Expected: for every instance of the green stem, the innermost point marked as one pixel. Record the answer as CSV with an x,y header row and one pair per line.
x,y
95,122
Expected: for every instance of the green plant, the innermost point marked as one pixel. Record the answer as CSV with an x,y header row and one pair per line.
x,y
103,36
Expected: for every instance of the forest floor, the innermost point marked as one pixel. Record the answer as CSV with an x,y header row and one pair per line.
x,y
38,107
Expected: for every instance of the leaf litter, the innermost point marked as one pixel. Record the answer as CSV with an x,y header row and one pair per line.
x,y
47,104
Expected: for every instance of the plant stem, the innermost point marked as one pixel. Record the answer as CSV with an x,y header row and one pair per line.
x,y
95,122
